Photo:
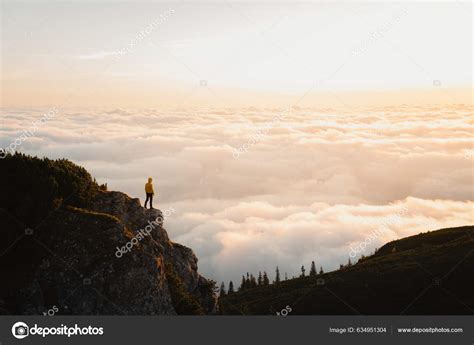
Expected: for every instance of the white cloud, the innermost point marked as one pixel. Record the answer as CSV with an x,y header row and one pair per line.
x,y
308,190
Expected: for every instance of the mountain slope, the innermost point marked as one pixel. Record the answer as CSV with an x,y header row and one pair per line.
x,y
61,241
430,273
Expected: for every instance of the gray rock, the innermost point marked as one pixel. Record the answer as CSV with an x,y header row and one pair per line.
x,y
84,276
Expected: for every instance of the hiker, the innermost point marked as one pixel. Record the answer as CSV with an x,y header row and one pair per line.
x,y
149,192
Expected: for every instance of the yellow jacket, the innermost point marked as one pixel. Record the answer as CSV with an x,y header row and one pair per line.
x,y
149,187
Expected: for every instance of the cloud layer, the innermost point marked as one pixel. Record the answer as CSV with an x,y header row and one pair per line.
x,y
309,187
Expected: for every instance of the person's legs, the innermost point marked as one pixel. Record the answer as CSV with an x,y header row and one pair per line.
x,y
151,201
147,197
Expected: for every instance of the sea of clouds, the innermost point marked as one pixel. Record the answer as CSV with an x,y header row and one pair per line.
x,y
256,188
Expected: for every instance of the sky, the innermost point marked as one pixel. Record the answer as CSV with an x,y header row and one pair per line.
x,y
280,133
246,53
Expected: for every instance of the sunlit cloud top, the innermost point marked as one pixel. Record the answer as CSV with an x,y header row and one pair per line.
x,y
251,193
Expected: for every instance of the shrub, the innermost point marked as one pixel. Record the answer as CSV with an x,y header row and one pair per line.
x,y
183,302
31,187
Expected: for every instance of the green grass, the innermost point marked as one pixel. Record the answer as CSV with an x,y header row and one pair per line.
x,y
94,216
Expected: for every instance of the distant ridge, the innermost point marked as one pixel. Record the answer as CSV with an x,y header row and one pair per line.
x,y
429,273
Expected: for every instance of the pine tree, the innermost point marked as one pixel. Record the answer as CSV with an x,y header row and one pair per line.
x,y
222,290
349,263
242,284
302,271
312,271
247,281
286,276
253,281
321,270
265,279
260,279
231,288
277,275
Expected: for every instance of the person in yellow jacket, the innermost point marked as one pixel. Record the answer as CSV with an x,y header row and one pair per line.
x,y
149,192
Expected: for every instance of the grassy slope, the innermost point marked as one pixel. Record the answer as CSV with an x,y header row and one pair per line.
x,y
430,273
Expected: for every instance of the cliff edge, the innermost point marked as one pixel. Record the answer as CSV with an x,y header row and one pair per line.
x,y
88,251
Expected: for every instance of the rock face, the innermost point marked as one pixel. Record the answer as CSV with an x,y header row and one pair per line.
x,y
182,259
115,258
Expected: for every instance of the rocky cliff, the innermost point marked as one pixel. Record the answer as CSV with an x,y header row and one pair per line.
x,y
112,257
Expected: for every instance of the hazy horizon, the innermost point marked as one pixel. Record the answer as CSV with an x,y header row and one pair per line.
x,y
235,54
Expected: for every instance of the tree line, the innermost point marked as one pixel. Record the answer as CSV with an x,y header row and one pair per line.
x,y
249,281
